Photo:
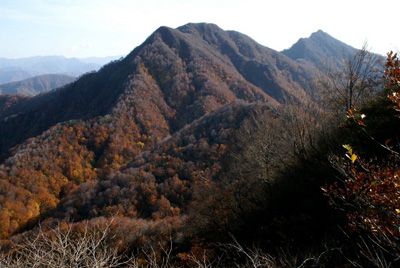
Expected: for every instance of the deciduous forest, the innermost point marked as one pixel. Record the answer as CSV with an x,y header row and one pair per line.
x,y
202,148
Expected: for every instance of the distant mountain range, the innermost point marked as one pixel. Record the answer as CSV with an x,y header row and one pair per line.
x,y
126,139
12,70
37,84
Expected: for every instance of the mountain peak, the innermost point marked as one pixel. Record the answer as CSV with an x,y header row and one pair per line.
x,y
321,36
320,33
190,28
199,27
321,50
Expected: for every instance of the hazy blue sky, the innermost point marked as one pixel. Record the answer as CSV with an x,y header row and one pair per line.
x,y
82,28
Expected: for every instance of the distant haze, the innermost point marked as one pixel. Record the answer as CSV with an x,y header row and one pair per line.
x,y
89,28
12,70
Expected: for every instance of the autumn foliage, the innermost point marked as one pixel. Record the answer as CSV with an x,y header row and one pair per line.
x,y
369,192
186,143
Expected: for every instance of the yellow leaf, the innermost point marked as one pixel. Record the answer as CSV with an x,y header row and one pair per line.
x,y
397,211
353,158
140,144
348,148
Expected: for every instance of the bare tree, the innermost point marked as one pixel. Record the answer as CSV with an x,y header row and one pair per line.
x,y
64,249
254,257
354,84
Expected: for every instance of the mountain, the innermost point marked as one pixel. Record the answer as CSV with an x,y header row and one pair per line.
x,y
321,50
35,85
188,71
137,137
10,74
12,70
326,53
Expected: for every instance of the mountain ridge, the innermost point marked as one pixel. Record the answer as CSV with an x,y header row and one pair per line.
x,y
178,99
114,75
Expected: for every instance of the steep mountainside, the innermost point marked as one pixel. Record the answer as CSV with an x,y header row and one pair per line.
x,y
188,72
35,85
134,138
